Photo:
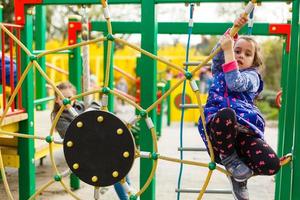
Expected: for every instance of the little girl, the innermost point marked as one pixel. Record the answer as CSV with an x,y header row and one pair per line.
x,y
234,124
68,90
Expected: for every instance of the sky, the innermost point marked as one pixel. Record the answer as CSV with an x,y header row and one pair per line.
x,y
208,12
205,12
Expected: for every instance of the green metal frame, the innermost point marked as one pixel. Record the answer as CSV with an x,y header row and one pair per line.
x,y
295,61
288,181
180,28
285,62
148,89
75,65
26,146
40,44
111,73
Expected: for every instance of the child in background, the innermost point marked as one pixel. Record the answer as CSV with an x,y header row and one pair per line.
x,y
234,124
7,63
68,90
122,86
205,80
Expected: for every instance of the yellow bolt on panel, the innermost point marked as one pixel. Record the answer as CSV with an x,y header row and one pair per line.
x,y
94,178
79,124
75,166
100,119
120,131
70,144
115,174
126,154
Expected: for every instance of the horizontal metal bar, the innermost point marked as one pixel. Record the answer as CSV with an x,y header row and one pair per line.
x,y
59,52
118,27
180,28
189,106
209,28
191,149
39,101
213,191
195,63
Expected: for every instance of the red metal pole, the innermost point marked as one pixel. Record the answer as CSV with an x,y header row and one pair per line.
x,y
158,110
11,68
3,70
19,69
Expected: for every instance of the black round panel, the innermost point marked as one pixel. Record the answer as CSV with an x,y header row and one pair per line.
x,y
99,148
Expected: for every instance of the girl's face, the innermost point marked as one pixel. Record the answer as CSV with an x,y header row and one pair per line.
x,y
68,92
244,52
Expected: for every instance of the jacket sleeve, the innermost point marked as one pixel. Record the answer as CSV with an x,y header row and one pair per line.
x,y
240,81
217,60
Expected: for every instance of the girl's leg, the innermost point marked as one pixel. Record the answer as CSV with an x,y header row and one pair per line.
x,y
223,132
257,154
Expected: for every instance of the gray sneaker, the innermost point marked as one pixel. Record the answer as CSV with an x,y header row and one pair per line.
x,y
239,170
239,189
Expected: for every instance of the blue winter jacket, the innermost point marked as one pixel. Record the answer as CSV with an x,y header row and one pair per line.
x,y
235,89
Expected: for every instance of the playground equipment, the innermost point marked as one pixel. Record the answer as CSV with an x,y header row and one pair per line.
x,y
146,151
16,113
75,27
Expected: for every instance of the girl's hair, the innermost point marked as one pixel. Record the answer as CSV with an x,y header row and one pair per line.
x,y
257,61
61,86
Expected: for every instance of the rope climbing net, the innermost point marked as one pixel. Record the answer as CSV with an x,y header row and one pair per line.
x,y
130,152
